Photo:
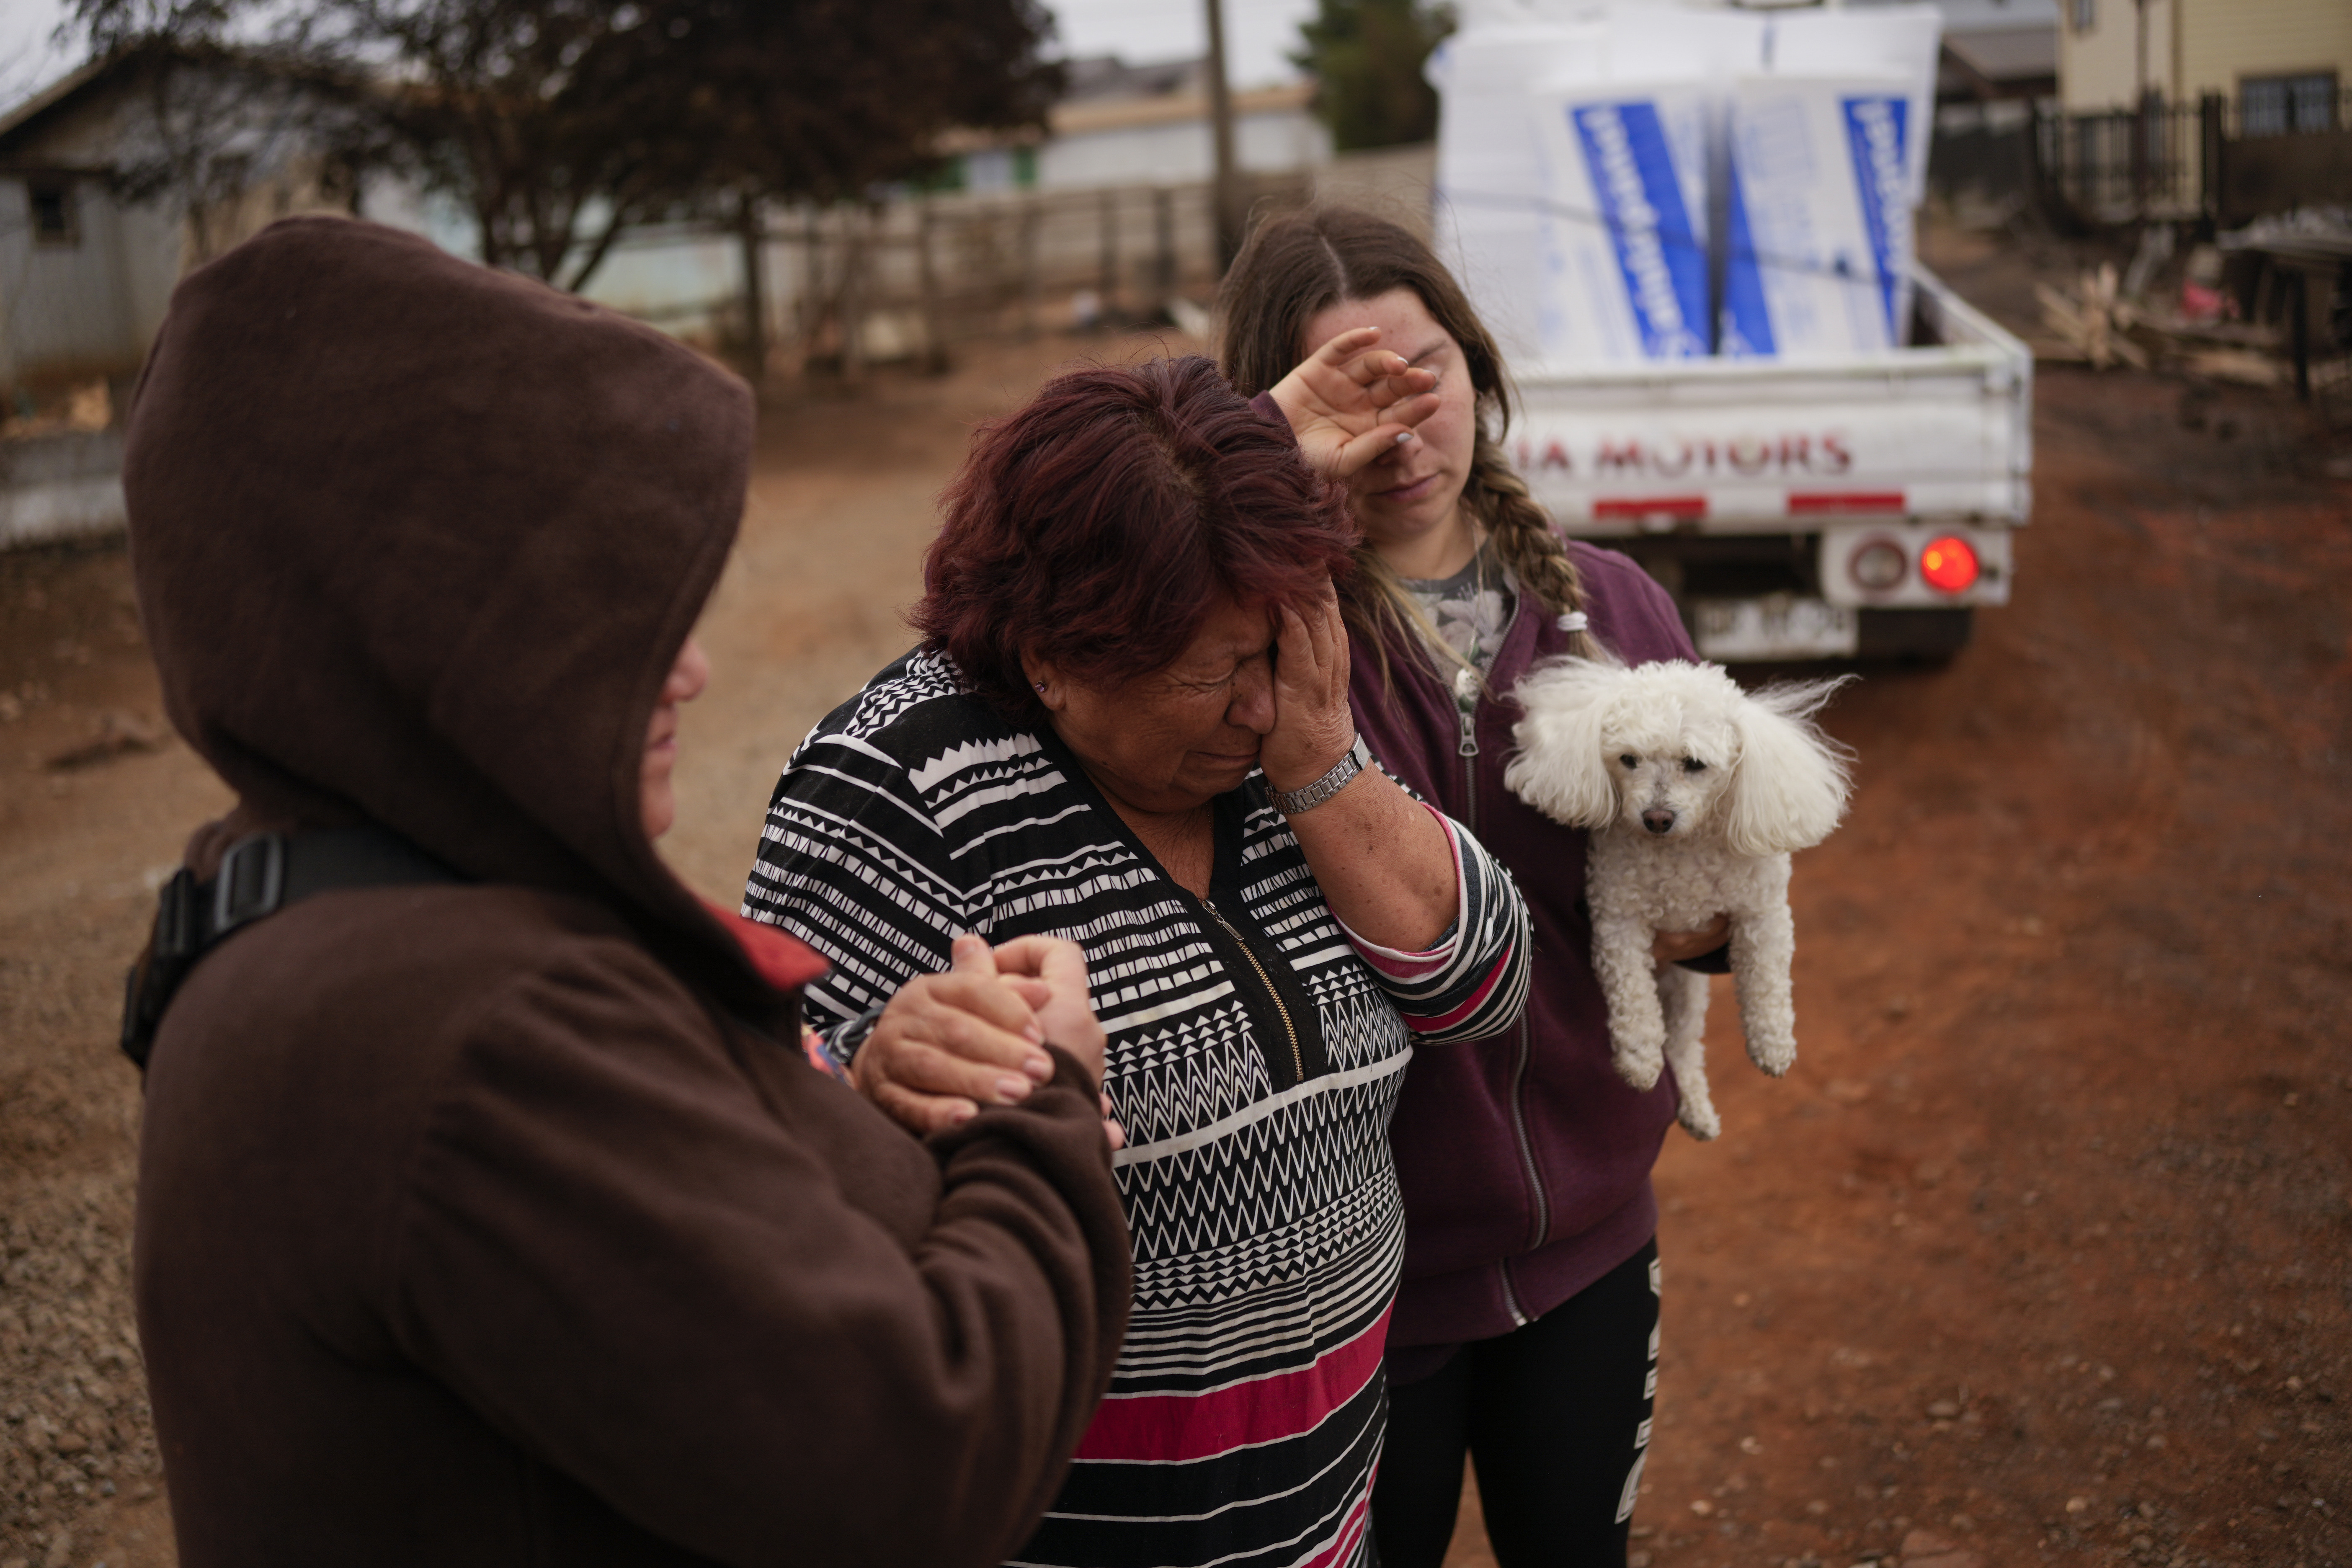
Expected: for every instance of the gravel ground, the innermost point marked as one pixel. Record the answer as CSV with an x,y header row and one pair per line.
x,y
77,1452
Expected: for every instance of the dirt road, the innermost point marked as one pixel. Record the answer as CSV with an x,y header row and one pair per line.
x,y
2042,1249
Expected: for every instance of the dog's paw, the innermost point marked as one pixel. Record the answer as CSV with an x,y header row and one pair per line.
x,y
1699,1119
1775,1056
1640,1063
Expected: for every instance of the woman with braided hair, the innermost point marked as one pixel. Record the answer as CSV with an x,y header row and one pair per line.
x,y
1524,1334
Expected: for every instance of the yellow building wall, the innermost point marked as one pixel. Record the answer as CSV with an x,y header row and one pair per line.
x,y
2224,41
2196,47
2097,64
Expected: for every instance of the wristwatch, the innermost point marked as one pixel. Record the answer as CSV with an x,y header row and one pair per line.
x,y
1290,802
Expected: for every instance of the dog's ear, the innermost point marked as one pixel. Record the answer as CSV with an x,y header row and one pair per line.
x,y
1562,769
1790,786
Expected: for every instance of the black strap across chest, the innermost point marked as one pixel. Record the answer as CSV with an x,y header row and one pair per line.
x,y
260,876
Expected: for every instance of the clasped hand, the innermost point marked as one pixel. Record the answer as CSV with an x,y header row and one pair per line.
x,y
949,1044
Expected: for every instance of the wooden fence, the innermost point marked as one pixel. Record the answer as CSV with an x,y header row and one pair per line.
x,y
841,289
838,289
2220,158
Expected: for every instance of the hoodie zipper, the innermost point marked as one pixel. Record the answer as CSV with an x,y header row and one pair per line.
x,y
1519,1318
1265,981
1468,689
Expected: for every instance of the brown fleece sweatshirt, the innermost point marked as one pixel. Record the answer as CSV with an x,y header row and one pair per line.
x,y
490,1221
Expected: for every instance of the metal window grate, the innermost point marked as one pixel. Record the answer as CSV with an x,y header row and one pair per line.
x,y
51,211
2286,105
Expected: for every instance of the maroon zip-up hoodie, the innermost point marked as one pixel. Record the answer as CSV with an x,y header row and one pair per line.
x,y
1524,1159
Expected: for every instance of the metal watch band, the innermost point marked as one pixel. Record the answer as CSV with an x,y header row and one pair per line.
x,y
1290,802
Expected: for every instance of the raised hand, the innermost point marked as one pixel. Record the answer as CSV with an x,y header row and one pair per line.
x,y
1350,401
1313,725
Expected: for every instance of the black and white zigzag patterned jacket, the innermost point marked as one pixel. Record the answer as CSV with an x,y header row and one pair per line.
x,y
1255,1048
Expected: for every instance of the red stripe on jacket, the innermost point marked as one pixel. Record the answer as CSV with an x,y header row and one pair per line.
x,y
1343,1545
1171,1427
1478,999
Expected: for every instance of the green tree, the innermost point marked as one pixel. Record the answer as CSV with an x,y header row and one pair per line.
x,y
1366,57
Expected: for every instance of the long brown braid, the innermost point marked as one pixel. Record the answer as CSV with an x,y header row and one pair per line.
x,y
1298,264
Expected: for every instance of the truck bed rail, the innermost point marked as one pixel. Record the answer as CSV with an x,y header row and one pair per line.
x,y
1939,431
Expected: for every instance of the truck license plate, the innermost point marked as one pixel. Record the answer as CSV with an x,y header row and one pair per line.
x,y
1779,625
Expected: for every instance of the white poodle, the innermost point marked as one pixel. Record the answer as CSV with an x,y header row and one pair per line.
x,y
1694,792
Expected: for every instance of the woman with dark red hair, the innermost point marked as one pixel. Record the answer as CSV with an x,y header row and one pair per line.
x,y
1129,725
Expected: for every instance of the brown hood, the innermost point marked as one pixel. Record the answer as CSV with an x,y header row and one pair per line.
x,y
418,542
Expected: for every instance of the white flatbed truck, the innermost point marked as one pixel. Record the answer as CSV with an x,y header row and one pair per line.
x,y
1856,508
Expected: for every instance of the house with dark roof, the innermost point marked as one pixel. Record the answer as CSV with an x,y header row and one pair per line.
x,y
115,180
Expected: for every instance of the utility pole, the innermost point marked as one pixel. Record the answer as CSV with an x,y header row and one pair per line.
x,y
2139,51
1228,194
752,235
2143,116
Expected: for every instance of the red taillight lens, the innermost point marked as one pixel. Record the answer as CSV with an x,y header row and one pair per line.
x,y
1948,563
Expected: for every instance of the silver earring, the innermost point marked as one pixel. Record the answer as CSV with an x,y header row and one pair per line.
x,y
1038,684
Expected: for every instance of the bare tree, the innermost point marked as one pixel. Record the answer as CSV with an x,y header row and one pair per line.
x,y
560,123
212,126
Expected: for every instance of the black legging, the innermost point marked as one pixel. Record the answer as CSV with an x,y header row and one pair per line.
x,y
1557,1416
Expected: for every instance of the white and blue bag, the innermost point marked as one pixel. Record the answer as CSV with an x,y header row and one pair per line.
x,y
1492,199
1818,233
1625,259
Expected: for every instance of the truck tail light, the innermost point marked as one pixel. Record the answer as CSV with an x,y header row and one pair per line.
x,y
1950,563
1879,565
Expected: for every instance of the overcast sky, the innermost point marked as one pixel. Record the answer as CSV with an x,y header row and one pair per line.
x,y
26,60
1258,34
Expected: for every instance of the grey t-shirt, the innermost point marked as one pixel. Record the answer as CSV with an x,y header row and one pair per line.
x,y
1471,609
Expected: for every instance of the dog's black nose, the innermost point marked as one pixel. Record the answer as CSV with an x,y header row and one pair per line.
x,y
1658,820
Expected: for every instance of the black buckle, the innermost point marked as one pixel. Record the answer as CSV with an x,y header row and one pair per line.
x,y
251,882
177,941
178,935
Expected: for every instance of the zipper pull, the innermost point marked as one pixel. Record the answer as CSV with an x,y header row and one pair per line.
x,y
1465,701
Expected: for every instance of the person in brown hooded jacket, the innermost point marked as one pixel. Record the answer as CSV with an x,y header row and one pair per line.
x,y
492,1219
